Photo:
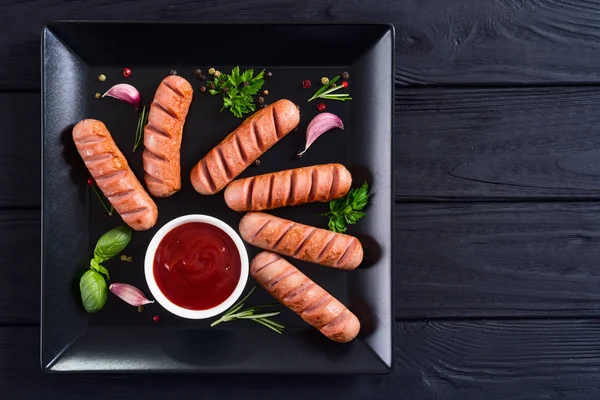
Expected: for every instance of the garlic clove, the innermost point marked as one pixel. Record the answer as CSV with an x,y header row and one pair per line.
x,y
129,294
126,93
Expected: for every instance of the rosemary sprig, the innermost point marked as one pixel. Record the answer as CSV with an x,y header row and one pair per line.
x,y
234,313
139,132
100,197
325,92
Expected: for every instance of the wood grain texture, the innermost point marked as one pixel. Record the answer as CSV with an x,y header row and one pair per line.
x,y
450,42
497,144
20,155
497,259
19,267
433,360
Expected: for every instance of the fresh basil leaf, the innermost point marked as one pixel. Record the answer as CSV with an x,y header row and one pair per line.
x,y
96,266
112,243
93,291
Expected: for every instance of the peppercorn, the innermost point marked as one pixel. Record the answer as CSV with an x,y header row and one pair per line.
x,y
211,85
345,84
198,72
263,105
321,106
266,92
269,74
156,318
203,88
306,84
224,89
211,71
203,77
324,80
123,257
126,72
129,259
246,83
173,72
261,99
101,77
345,75
97,95
140,308
217,73
257,162
333,85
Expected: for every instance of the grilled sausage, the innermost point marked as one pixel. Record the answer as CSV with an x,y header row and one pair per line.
x,y
300,241
303,296
109,168
162,136
241,147
289,188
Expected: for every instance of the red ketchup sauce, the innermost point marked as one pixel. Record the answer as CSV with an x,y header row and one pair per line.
x,y
197,266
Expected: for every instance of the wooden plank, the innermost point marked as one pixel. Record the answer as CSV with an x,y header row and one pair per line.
x,y
497,259
20,154
20,267
432,360
497,144
449,42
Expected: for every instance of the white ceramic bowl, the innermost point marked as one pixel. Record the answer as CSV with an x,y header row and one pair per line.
x,y
162,299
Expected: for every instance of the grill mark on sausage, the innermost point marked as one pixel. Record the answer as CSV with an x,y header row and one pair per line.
x,y
275,126
134,211
98,157
317,303
240,148
171,113
211,183
270,192
120,194
344,315
290,198
112,174
174,89
150,154
221,156
254,132
290,296
341,259
299,248
151,178
329,244
250,193
153,128
277,258
91,139
335,180
282,236
260,230
283,275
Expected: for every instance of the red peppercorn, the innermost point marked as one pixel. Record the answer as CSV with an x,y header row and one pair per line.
x,y
156,318
90,181
321,106
306,84
345,84
126,72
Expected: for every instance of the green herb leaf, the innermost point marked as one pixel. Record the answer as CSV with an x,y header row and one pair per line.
x,y
96,266
94,291
237,97
112,243
347,210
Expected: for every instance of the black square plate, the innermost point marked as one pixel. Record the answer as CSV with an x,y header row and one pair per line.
x,y
121,339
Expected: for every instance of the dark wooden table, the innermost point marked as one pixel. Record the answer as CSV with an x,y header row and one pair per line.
x,y
497,214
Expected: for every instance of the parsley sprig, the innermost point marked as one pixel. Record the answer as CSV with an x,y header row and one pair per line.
x,y
238,89
348,209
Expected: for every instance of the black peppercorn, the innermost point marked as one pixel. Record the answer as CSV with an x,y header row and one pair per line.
x,y
224,89
203,88
269,74
173,72
261,99
257,162
246,83
203,77
211,85
345,75
198,72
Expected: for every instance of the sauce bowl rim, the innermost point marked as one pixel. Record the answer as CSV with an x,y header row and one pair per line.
x,y
158,294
